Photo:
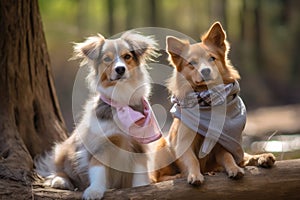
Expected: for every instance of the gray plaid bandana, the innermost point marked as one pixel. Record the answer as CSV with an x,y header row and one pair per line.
x,y
218,114
213,97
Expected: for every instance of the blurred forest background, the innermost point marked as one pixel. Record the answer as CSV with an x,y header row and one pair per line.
x,y
264,38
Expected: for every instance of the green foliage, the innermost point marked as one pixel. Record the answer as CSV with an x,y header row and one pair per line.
x,y
263,36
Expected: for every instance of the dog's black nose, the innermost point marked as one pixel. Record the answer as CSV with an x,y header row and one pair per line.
x,y
120,70
205,72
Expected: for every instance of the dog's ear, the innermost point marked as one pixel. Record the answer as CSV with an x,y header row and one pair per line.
x,y
144,47
89,49
175,48
215,36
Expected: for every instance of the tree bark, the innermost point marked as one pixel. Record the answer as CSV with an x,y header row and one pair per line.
x,y
30,117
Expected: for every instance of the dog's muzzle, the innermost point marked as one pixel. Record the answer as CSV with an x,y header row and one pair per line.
x,y
206,74
119,71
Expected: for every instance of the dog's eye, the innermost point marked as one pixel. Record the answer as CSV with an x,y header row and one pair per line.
x,y
193,63
107,59
127,57
211,59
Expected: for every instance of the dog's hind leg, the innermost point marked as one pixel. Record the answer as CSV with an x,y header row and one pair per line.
x,y
164,164
170,177
167,173
61,179
260,160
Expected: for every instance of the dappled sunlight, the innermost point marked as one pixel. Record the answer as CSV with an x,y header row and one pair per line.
x,y
283,143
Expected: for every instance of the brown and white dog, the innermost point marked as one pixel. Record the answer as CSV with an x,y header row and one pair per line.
x,y
209,116
106,148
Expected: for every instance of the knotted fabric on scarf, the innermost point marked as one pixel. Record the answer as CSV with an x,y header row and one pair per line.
x,y
143,127
218,114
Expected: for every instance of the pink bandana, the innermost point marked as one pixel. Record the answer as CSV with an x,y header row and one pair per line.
x,y
143,127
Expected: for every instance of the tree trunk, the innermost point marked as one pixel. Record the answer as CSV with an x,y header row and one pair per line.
x,y
110,16
153,13
218,11
30,117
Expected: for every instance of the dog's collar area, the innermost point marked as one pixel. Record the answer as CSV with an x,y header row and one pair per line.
x,y
142,126
214,96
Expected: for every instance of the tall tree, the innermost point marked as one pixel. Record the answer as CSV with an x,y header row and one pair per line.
x,y
30,117
130,6
110,16
218,11
153,13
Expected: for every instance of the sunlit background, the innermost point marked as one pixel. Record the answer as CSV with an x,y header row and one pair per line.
x,y
264,38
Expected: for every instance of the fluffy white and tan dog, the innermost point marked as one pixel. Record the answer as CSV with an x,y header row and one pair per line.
x,y
106,148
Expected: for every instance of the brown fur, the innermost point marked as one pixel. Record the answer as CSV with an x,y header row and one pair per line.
x,y
189,60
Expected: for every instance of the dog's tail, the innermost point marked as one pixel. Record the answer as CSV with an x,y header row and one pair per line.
x,y
44,164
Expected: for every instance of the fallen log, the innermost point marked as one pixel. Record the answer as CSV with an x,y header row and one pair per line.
x,y
280,182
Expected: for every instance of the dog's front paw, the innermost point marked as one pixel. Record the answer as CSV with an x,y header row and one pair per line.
x,y
93,192
61,183
195,179
266,160
235,172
